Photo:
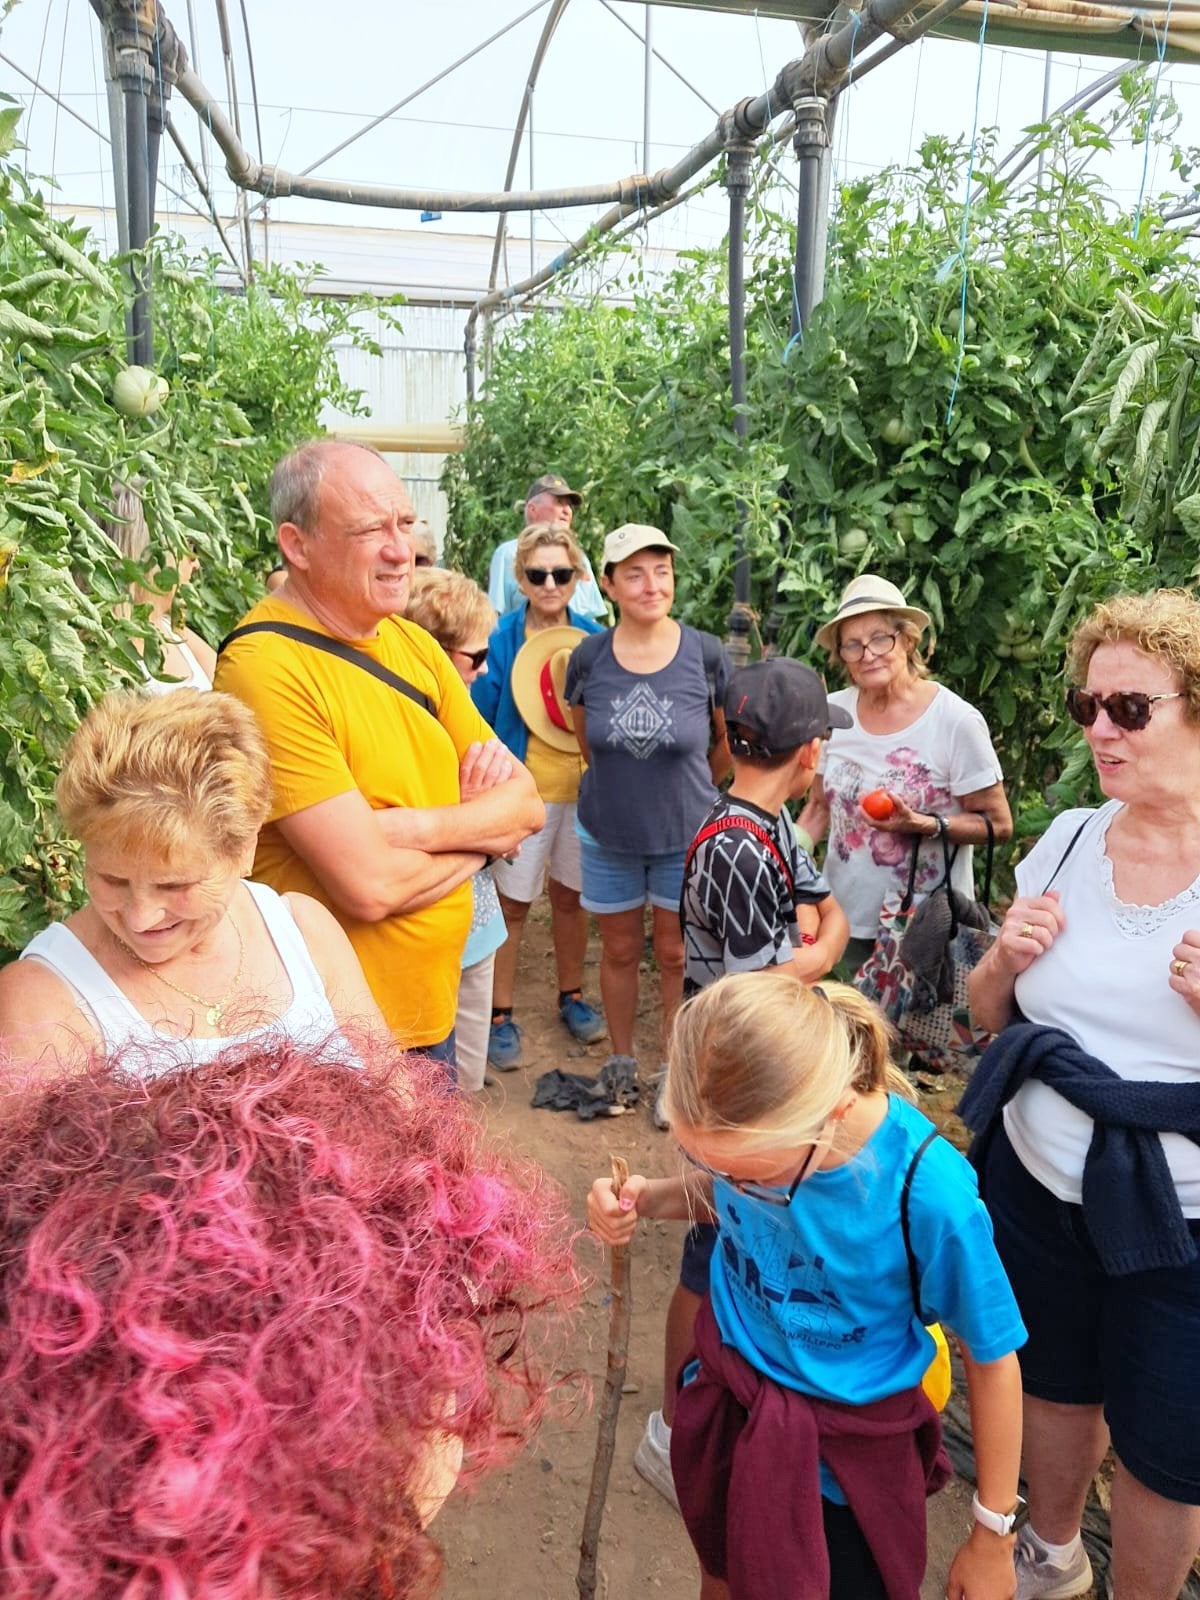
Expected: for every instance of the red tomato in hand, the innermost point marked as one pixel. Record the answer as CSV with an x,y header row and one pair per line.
x,y
878,804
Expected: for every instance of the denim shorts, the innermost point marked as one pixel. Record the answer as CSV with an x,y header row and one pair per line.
x,y
615,881
694,1264
1130,1344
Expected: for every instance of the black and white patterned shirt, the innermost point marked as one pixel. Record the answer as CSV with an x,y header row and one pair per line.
x,y
738,912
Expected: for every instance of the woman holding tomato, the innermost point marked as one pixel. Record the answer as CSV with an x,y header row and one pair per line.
x,y
917,758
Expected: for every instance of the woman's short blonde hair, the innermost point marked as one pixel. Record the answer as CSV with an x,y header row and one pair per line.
x,y
167,774
450,606
908,631
537,534
759,1053
1163,623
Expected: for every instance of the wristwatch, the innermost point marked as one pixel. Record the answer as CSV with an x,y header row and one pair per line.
x,y
1001,1522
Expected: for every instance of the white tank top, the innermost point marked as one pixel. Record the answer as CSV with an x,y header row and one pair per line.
x,y
197,678
309,1018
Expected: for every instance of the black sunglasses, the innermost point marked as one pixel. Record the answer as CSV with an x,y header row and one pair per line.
x,y
1128,709
422,561
539,575
475,657
769,1194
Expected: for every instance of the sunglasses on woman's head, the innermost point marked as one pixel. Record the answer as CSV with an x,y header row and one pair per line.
x,y
1128,709
539,575
475,657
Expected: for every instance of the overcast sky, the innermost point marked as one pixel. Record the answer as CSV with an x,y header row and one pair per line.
x,y
323,70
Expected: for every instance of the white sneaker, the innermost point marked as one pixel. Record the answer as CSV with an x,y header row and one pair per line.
x,y
652,1458
1039,1578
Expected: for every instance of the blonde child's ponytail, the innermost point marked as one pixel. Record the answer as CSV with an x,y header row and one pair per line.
x,y
871,1040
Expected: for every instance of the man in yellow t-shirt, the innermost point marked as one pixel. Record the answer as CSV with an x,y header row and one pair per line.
x,y
382,808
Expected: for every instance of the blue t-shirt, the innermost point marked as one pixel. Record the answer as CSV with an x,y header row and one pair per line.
x,y
648,786
817,1296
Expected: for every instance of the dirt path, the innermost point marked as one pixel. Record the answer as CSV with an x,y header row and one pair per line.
x,y
519,1536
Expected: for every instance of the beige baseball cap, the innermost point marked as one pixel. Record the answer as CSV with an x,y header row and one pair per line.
x,y
631,537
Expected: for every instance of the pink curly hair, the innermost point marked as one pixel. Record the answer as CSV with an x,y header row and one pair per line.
x,y
237,1303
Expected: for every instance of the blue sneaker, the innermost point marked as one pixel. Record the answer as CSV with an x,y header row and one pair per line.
x,y
504,1046
585,1022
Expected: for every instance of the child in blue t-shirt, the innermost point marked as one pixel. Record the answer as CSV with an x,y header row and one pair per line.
x,y
795,1136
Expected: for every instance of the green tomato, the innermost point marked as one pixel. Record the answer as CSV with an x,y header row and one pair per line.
x,y
894,431
981,450
853,542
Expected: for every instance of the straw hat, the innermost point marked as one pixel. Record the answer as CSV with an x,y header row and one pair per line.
x,y
868,592
539,674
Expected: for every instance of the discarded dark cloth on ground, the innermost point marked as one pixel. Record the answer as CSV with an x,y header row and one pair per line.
x,y
613,1091
740,1441
1130,1205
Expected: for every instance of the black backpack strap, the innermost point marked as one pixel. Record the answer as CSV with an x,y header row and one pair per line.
x,y
914,1273
712,652
725,824
338,648
1062,860
584,657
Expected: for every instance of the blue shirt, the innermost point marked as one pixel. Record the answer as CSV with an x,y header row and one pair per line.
x,y
817,1296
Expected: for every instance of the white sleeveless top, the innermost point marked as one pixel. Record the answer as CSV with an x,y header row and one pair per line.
x,y
197,678
309,1018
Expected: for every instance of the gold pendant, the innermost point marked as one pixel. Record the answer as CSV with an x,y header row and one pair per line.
x,y
213,1015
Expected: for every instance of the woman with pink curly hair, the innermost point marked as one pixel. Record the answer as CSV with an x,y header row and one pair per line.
x,y
255,1320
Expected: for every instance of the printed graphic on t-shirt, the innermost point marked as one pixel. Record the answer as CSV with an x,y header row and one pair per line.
x,y
641,722
905,774
791,1288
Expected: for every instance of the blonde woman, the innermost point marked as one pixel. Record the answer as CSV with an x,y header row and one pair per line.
x,y
455,610
796,1136
1088,1107
549,564
173,957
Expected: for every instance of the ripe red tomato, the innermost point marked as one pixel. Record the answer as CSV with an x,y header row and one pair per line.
x,y
878,804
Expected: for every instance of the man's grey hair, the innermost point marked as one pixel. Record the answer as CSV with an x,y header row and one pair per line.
x,y
296,480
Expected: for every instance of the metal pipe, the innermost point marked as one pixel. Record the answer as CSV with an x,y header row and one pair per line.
x,y
646,59
198,178
737,182
810,141
686,82
243,215
1041,163
138,180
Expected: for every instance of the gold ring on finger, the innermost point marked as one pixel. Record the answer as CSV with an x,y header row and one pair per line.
x,y
1027,930
1179,968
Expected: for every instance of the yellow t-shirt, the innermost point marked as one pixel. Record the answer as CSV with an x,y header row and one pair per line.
x,y
331,727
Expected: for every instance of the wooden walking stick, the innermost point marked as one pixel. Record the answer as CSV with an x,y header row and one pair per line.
x,y
610,1402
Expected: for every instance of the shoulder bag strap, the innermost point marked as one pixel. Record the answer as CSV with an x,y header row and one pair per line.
x,y
338,648
914,1274
909,893
585,653
1062,860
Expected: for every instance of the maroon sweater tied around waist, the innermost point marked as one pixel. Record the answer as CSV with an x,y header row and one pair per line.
x,y
746,1454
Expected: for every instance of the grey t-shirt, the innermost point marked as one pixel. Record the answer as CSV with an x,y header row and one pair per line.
x,y
648,787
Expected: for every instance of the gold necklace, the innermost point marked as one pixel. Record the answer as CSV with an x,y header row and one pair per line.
x,y
213,1009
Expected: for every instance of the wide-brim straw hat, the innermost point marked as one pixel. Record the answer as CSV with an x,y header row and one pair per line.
x,y
539,675
867,592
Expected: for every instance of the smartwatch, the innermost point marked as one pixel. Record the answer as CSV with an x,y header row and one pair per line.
x,y
1001,1522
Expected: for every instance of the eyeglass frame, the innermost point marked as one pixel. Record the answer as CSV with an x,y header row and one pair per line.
x,y
540,576
423,561
1103,704
864,646
769,1194
477,658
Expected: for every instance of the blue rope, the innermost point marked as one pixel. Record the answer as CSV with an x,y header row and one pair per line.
x,y
964,232
1161,44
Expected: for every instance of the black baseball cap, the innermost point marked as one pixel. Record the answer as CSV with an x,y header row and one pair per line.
x,y
551,483
782,703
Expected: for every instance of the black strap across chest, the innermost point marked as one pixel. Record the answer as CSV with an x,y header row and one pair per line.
x,y
338,648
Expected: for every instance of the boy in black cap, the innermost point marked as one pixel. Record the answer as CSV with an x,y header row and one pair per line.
x,y
752,898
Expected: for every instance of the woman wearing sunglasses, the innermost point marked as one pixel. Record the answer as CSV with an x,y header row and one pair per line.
x,y
925,747
548,563
1091,1170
